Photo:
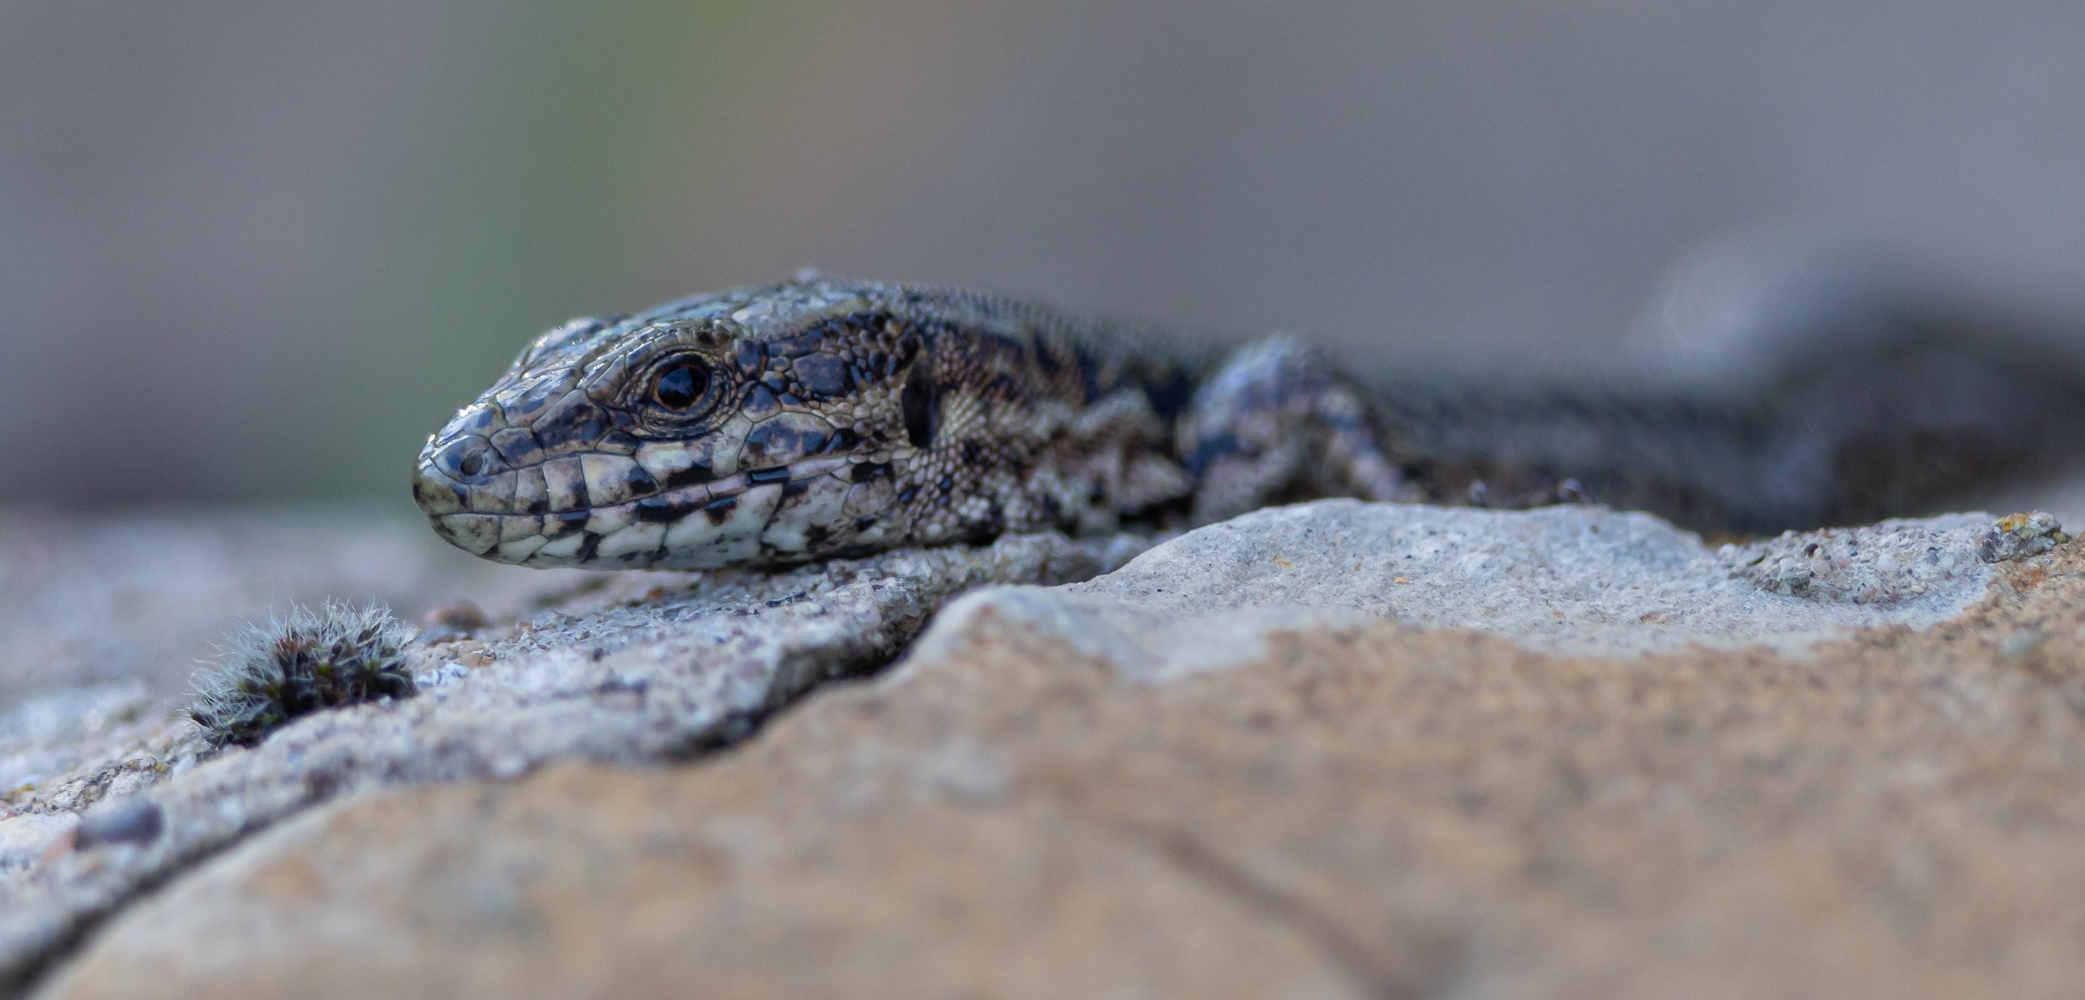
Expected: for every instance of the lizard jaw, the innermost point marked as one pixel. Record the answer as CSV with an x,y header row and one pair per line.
x,y
776,515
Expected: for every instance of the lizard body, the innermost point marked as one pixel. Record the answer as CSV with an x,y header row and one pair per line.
x,y
823,418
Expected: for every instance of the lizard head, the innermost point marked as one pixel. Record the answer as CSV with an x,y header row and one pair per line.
x,y
747,427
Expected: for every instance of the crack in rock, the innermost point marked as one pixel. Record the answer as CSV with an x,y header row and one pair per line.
x,y
649,667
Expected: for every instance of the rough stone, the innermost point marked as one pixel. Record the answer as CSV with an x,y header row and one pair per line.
x,y
1566,580
68,748
1886,563
627,668
2017,536
1361,809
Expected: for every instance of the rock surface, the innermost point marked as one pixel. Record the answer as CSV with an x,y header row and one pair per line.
x,y
103,621
1267,758
638,667
1566,580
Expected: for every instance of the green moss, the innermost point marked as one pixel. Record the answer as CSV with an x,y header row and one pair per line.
x,y
339,655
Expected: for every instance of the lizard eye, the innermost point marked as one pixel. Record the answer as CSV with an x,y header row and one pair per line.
x,y
680,385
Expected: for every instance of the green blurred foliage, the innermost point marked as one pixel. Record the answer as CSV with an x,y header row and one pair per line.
x,y
258,251
518,209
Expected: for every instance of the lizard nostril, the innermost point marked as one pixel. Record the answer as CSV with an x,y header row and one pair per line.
x,y
468,458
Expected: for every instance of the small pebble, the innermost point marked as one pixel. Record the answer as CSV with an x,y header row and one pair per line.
x,y
449,622
441,675
133,821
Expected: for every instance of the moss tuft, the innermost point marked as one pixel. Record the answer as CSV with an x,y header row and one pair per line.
x,y
338,655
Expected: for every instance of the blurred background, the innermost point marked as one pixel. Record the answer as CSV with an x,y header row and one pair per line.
x,y
257,251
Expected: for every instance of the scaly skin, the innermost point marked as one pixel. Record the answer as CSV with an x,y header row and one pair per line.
x,y
838,418
822,417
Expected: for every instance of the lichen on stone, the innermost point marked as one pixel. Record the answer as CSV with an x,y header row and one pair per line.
x,y
2017,536
311,660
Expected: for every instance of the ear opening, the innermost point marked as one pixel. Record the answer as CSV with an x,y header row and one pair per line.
x,y
921,399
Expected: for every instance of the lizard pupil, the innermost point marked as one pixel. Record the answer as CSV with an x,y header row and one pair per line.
x,y
680,386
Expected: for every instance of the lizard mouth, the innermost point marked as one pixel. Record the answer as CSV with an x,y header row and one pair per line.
x,y
575,491
781,514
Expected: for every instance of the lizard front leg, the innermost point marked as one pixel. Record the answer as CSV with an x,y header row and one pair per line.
x,y
1276,423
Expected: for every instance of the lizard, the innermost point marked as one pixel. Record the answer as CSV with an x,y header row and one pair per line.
x,y
829,418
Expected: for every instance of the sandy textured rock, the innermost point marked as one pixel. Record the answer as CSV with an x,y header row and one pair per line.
x,y
104,620
636,667
1569,580
1363,809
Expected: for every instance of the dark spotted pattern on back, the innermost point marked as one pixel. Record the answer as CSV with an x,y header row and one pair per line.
x,y
839,417
824,417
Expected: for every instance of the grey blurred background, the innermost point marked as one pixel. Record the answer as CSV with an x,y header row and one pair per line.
x,y
255,251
